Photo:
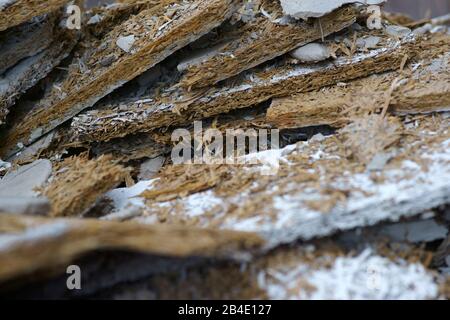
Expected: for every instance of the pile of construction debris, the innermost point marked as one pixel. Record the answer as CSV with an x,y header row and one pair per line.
x,y
349,201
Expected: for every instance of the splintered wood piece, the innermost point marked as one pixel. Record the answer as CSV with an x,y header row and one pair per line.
x,y
100,20
426,90
16,12
261,40
78,183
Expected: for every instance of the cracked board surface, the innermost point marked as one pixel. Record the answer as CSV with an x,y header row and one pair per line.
x,y
134,46
179,108
317,190
260,40
20,11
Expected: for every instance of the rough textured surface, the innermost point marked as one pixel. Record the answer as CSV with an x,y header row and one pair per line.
x,y
249,89
79,178
349,199
338,192
133,147
20,11
155,39
261,40
364,277
422,87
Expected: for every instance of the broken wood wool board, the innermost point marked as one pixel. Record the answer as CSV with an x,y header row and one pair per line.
x,y
422,87
15,12
133,147
100,20
78,182
128,50
37,244
247,118
259,40
172,108
127,151
319,187
29,71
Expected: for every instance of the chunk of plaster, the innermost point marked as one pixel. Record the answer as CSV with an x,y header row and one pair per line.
x,y
312,52
304,9
125,43
23,181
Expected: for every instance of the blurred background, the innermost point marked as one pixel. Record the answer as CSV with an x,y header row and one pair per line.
x,y
415,8
419,8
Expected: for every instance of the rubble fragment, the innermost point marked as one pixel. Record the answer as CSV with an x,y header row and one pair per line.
x,y
150,168
4,166
244,51
424,88
25,41
190,20
15,12
397,31
249,89
125,43
19,189
88,180
355,199
298,273
338,186
26,179
315,9
24,206
313,52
